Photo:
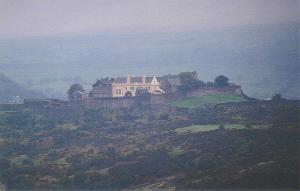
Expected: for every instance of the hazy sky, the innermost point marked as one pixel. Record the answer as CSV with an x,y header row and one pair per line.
x,y
63,17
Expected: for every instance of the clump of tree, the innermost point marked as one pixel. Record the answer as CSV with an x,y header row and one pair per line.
x,y
277,97
102,81
221,81
142,93
221,127
189,81
73,89
93,118
210,84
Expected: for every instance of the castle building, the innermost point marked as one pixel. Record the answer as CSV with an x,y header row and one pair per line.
x,y
125,86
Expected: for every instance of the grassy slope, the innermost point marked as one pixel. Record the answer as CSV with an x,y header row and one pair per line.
x,y
203,128
193,102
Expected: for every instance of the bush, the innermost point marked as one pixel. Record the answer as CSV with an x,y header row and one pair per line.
x,y
164,116
221,127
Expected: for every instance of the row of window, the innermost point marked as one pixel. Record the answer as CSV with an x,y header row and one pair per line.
x,y
119,91
133,88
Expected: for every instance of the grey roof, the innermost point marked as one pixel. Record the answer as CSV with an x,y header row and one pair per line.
x,y
79,92
174,82
136,79
170,76
106,81
149,79
120,80
103,81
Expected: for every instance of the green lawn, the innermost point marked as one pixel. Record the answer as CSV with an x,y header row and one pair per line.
x,y
203,128
193,102
176,151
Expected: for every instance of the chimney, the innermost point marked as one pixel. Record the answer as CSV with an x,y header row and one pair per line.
x,y
144,79
128,79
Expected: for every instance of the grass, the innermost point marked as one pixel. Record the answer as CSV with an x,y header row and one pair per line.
x,y
176,151
193,102
68,126
210,127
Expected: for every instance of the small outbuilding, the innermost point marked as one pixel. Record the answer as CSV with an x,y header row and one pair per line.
x,y
79,95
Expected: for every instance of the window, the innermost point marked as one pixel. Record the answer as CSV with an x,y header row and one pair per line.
x,y
118,91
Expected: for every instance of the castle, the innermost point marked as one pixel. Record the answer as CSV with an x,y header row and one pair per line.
x,y
166,86
125,87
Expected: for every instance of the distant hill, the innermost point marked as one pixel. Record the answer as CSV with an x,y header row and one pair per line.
x,y
11,91
262,59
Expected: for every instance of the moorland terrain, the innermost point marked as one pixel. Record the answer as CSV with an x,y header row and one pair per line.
x,y
234,145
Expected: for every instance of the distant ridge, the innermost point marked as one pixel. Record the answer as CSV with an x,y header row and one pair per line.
x,y
10,91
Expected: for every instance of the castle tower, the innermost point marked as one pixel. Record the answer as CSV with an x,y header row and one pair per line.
x,y
128,79
144,79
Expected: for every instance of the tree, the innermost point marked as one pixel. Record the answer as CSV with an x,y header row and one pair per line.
x,y
142,92
210,84
94,118
128,94
4,164
188,76
189,81
221,127
74,88
248,125
221,81
102,81
277,97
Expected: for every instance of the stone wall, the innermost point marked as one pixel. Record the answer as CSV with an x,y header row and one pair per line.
x,y
215,90
113,103
157,102
102,91
11,107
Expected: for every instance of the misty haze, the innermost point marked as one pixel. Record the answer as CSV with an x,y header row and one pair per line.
x,y
149,95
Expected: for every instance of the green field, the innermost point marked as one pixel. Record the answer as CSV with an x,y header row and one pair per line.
x,y
193,102
176,151
210,127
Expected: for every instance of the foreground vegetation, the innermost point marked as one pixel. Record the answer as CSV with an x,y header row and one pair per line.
x,y
139,148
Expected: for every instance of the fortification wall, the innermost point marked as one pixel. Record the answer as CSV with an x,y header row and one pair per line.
x,y
8,107
113,103
215,90
159,102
